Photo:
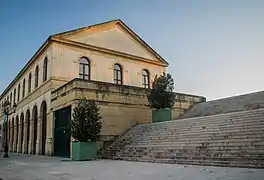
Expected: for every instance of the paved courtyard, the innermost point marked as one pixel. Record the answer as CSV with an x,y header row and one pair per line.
x,y
52,168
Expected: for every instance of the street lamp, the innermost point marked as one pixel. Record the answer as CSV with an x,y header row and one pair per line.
x,y
7,110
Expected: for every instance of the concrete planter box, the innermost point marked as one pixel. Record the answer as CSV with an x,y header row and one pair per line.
x,y
83,151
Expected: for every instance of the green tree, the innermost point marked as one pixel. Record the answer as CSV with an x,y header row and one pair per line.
x,y
86,124
161,95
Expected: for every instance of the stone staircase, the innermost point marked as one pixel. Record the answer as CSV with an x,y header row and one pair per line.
x,y
229,139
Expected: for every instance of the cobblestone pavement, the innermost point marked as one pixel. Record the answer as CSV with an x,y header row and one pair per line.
x,y
52,168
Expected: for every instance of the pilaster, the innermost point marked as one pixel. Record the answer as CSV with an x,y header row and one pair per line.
x,y
50,134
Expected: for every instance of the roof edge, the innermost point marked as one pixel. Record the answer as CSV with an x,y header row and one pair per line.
x,y
40,49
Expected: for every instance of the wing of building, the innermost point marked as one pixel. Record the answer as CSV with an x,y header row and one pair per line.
x,y
107,62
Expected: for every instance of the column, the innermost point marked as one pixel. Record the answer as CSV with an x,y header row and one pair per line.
x,y
38,147
19,137
24,144
11,139
15,137
50,134
72,139
9,136
31,136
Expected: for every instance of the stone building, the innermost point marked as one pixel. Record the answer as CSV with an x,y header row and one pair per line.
x,y
107,62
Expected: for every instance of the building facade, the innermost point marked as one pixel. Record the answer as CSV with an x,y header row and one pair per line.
x,y
107,62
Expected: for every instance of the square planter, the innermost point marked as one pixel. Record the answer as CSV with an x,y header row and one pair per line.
x,y
84,151
161,115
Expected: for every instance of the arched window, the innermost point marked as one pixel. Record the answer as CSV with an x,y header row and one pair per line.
x,y
45,69
84,69
18,93
145,78
36,76
14,96
29,83
118,79
11,99
23,88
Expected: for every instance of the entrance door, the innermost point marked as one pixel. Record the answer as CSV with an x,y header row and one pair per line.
x,y
62,137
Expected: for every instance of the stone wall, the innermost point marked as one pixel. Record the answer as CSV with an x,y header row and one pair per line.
x,y
121,106
66,61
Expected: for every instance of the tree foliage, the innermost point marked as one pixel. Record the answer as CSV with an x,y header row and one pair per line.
x,y
86,124
161,95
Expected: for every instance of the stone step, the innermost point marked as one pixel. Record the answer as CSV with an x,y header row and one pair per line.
x,y
239,163
188,151
196,157
198,128
213,150
253,135
197,143
192,134
209,131
241,117
212,135
189,141
180,152
178,123
193,148
238,115
201,143
233,135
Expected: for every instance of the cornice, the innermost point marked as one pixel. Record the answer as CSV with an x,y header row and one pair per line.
x,y
36,55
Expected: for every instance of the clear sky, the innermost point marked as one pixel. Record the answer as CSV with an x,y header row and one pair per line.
x,y
215,48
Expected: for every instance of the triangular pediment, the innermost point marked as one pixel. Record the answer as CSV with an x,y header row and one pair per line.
x,y
113,35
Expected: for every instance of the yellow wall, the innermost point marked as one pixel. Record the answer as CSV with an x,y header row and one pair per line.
x,y
66,59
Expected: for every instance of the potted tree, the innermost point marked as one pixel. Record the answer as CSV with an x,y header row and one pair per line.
x,y
161,97
85,129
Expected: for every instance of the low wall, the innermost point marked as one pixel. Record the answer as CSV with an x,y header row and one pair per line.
x,y
121,106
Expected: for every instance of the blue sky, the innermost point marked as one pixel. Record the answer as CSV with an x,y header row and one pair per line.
x,y
215,48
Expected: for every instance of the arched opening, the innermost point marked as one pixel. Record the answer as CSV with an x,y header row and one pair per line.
x,y
35,120
36,76
21,131
18,93
44,126
23,88
118,74
17,128
145,78
14,99
11,99
29,83
45,69
28,131
84,68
